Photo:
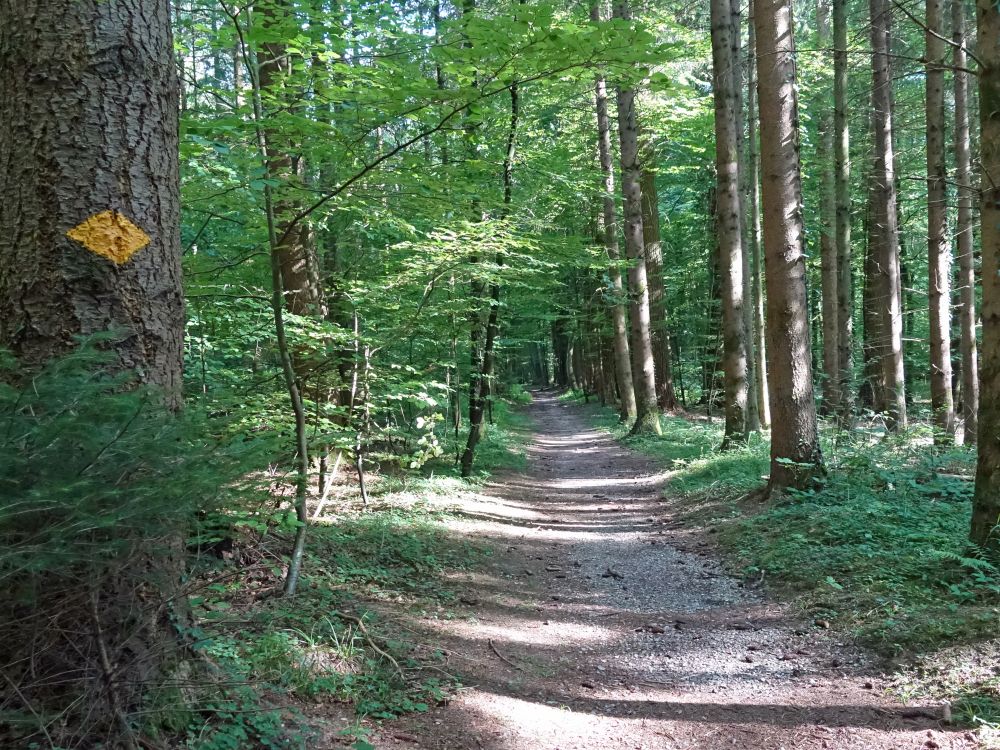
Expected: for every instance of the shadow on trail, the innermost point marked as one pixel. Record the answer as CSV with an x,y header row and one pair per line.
x,y
601,624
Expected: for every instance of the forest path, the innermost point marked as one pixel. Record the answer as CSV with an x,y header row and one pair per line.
x,y
600,623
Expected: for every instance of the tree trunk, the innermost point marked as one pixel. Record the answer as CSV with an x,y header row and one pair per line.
x,y
938,250
795,451
88,185
643,372
743,177
728,214
964,238
753,194
619,322
665,396
300,273
827,237
485,376
986,502
883,231
842,226
90,244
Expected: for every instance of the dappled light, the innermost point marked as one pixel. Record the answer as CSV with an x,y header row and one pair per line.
x,y
499,375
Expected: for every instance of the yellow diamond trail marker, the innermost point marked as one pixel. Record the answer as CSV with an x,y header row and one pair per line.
x,y
111,235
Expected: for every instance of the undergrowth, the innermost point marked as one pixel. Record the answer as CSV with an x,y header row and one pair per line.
x,y
880,549
141,554
328,643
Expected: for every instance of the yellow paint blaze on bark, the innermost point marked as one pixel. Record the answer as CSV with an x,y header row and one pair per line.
x,y
111,235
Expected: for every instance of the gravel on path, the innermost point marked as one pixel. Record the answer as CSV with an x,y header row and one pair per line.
x,y
600,622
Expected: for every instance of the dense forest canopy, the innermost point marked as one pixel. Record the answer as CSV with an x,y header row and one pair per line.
x,y
265,264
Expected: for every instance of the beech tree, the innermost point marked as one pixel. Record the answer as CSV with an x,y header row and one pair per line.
x,y
752,194
963,230
842,218
619,319
828,243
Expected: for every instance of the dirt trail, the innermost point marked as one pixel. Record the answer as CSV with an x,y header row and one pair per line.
x,y
599,623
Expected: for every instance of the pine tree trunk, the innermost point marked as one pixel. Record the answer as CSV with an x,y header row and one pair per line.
x,y
88,175
883,231
827,237
485,376
728,214
300,273
795,451
753,194
938,249
619,320
986,502
842,226
665,396
90,244
643,371
964,238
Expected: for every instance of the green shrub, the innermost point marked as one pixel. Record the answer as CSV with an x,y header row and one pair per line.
x,y
100,486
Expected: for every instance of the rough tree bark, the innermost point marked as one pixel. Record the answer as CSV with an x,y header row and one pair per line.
x,y
966,260
938,249
827,237
666,398
754,250
728,212
842,216
300,272
643,371
795,453
619,321
883,229
485,379
90,243
986,502
89,209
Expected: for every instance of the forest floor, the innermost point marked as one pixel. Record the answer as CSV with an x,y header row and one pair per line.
x,y
599,621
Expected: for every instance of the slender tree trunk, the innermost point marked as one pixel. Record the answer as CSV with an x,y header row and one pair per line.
x,y
753,194
827,237
485,379
743,179
795,450
728,213
964,238
89,211
665,396
842,216
884,232
295,276
986,502
619,322
237,59
938,250
643,372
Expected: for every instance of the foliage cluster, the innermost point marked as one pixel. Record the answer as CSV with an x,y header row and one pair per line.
x,y
328,643
92,511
